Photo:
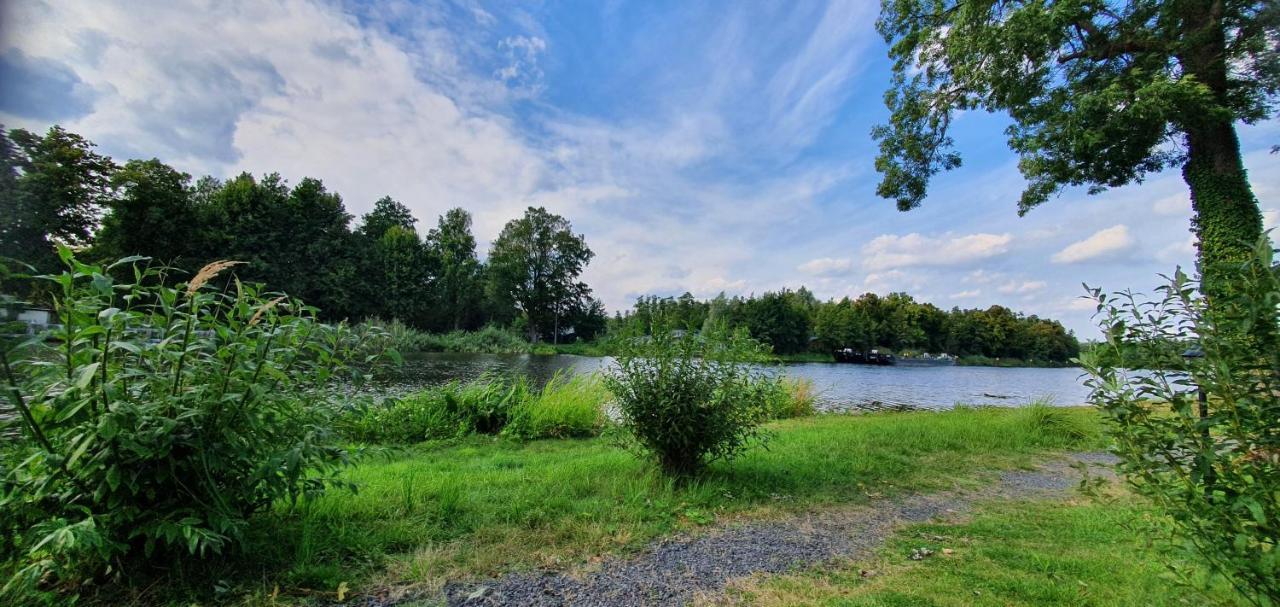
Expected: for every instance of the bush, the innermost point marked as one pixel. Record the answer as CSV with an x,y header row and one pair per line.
x,y
447,411
160,420
569,406
688,401
1056,424
1213,466
790,397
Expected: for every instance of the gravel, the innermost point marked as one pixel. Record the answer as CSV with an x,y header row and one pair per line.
x,y
672,571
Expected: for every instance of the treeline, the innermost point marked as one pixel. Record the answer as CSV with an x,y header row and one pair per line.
x,y
298,238
795,322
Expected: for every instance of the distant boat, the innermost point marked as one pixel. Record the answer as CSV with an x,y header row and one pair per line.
x,y
876,357
859,357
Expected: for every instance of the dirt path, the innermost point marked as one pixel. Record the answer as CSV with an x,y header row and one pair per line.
x,y
673,570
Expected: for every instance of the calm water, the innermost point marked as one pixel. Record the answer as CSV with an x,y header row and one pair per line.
x,y
840,387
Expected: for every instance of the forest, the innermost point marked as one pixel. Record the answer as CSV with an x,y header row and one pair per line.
x,y
795,322
300,239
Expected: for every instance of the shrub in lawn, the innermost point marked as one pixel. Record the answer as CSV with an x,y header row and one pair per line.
x,y
569,406
789,397
156,419
1212,465
447,411
1055,424
688,400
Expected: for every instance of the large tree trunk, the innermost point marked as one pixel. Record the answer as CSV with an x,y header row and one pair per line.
x,y
1227,221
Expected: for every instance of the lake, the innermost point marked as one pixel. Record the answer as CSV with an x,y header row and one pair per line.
x,y
841,387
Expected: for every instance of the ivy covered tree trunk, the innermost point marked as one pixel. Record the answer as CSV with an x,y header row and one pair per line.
x,y
1227,221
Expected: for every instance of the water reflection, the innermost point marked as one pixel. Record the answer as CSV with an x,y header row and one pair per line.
x,y
840,386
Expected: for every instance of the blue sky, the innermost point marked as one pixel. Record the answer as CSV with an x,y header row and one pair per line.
x,y
703,147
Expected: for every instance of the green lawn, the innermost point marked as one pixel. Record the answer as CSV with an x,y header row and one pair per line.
x,y
482,506
1010,554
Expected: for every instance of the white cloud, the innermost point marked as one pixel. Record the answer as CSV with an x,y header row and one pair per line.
x,y
1102,244
1024,287
1183,251
1175,204
826,266
893,251
970,294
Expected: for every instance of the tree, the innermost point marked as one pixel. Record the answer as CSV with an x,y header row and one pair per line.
x,y
535,263
403,275
386,213
60,185
152,215
453,248
1101,93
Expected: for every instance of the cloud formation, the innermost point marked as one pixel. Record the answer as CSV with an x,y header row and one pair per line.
x,y
1102,244
892,251
826,266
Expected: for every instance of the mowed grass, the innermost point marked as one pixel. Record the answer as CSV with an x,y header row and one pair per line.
x,y
1023,553
482,506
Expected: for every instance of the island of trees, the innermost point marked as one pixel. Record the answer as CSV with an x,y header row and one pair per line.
x,y
300,239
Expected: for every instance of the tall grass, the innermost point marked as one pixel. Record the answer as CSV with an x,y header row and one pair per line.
x,y
568,406
487,340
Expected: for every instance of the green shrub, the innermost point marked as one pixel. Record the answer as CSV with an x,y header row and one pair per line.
x,y
789,397
1056,424
158,420
1213,466
687,400
569,406
451,410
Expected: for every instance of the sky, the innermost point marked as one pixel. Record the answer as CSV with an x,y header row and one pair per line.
x,y
699,146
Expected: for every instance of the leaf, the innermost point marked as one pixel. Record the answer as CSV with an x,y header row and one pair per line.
x,y
343,589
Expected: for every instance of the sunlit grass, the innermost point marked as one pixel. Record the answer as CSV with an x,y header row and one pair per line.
x,y
1010,554
484,505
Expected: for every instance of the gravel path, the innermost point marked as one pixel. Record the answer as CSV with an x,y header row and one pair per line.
x,y
672,571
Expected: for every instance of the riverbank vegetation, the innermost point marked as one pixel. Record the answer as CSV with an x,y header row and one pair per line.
x,y
481,505
300,239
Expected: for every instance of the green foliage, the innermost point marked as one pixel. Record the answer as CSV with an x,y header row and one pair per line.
x,y
789,397
787,320
479,507
152,212
535,264
687,400
1100,94
1056,424
458,285
158,420
1214,465
53,188
490,339
568,406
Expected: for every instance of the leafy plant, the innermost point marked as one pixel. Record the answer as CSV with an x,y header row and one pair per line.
x,y
1200,436
569,406
159,419
688,400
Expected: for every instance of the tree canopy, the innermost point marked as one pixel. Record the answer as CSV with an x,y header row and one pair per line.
x,y
535,263
1101,93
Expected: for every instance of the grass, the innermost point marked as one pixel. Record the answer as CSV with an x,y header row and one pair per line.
x,y
569,406
480,505
1023,553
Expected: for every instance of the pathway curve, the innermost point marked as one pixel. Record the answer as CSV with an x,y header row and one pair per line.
x,y
671,571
